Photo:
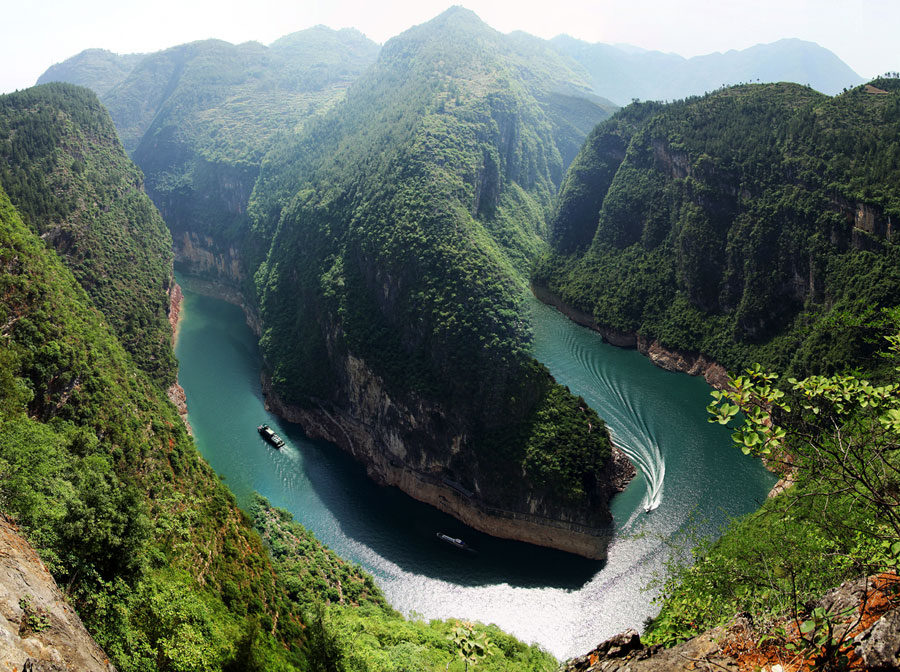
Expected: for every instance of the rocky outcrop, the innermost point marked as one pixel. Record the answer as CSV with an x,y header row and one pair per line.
x,y
867,217
626,652
879,645
175,393
400,442
670,359
204,256
865,622
39,630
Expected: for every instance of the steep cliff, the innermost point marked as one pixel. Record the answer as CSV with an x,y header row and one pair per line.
x,y
39,630
753,224
401,226
199,118
101,477
64,169
384,248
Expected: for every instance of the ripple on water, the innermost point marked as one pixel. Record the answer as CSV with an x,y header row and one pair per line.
x,y
565,603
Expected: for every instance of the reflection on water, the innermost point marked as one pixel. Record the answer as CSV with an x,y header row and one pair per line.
x,y
566,603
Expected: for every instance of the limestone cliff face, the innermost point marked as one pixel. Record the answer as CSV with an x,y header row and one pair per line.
x,y
39,630
204,256
418,447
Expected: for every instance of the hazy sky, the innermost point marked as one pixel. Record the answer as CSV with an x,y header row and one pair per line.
x,y
34,34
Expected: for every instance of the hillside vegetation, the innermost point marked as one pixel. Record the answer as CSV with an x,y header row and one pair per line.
x,y
99,473
755,224
101,476
402,225
63,167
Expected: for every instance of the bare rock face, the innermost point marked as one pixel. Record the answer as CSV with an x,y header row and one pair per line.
x,y
39,630
879,646
626,652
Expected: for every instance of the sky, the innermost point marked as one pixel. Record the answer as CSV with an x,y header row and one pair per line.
x,y
35,34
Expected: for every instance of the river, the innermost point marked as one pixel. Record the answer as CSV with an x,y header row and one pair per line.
x,y
688,471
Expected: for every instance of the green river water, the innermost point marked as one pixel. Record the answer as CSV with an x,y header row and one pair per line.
x,y
687,467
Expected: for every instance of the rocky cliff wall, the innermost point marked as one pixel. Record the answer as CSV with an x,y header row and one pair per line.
x,y
389,436
39,630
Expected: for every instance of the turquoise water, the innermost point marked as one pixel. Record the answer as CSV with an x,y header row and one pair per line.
x,y
688,471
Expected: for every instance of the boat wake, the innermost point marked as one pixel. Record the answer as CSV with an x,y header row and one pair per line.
x,y
628,427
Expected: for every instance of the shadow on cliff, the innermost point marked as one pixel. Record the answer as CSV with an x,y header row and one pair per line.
x,y
404,531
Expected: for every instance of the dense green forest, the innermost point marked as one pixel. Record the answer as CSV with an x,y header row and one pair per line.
x,y
218,109
97,69
402,227
100,475
752,224
755,224
387,213
64,169
434,171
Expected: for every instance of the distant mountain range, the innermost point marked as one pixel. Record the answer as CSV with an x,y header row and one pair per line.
x,y
617,72
622,72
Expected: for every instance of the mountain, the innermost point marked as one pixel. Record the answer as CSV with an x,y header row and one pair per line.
x,y
755,224
64,169
623,73
97,69
401,227
198,119
438,166
101,477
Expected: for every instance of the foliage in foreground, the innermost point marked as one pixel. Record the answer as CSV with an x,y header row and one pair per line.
x,y
353,629
100,475
839,439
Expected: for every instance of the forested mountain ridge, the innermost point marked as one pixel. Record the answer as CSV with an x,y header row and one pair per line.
x,y
104,481
752,224
63,167
198,118
100,475
456,140
626,74
402,224
97,69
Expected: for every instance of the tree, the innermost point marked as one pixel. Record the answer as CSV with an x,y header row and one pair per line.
x,y
471,646
837,435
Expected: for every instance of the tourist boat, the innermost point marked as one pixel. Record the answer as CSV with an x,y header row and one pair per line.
x,y
453,541
270,436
